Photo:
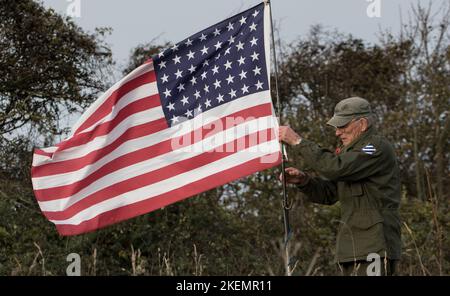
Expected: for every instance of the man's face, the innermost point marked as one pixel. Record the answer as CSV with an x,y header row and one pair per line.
x,y
350,131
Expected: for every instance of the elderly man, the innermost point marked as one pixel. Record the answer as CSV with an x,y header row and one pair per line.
x,y
363,175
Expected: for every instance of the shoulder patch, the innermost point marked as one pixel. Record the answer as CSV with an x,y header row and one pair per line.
x,y
369,149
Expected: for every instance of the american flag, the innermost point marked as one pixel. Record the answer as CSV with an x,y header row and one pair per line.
x,y
195,116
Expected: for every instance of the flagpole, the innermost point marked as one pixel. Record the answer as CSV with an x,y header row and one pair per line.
x,y
286,205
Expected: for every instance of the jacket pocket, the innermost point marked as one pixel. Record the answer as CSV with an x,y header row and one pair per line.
x,y
362,234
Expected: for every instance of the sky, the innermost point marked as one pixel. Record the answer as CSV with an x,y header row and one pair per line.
x,y
137,22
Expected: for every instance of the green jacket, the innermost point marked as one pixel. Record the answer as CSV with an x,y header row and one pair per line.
x,y
364,177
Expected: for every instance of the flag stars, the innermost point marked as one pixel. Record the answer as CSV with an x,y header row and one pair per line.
x,y
197,94
180,87
190,55
253,27
185,100
253,42
215,69
219,98
230,27
176,60
188,42
175,47
230,79
178,73
257,70
191,69
255,56
218,45
227,65
244,89
259,85
171,106
243,20
174,119
216,32
241,61
240,46
164,78
255,13
207,103
202,37
227,51
205,63
232,93
217,84
243,74
189,113
203,75
162,64
231,40
167,92
206,88
193,81
204,50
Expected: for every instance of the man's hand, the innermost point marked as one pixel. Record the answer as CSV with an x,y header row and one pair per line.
x,y
288,135
294,176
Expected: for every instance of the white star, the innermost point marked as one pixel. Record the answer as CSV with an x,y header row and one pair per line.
x,y
230,27
216,32
175,47
220,98
162,64
227,51
199,108
255,13
194,80
176,59
232,93
165,78
174,119
217,57
171,106
167,93
205,63
188,113
259,85
207,103
253,27
191,69
257,70
217,84
253,41
203,75
185,100
219,45
161,54
244,89
230,79
240,46
203,37
190,55
178,73
204,50
197,94
255,56
180,87
242,20
188,42
243,74
227,65
215,70
241,60
206,88
231,40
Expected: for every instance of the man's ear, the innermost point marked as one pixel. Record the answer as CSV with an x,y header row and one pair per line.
x,y
364,124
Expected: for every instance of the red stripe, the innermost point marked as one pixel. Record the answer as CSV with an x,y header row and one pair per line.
x,y
106,127
137,131
78,163
148,153
42,152
168,198
162,174
105,108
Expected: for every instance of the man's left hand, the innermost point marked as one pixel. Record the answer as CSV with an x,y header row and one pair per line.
x,y
288,135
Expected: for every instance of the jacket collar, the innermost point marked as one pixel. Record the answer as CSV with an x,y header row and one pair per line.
x,y
362,138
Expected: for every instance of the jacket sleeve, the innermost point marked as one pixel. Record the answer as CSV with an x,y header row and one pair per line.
x,y
319,191
349,166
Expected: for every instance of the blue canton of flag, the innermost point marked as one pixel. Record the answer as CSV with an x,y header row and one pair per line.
x,y
213,67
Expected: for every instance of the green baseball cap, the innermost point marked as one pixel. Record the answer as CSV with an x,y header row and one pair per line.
x,y
348,109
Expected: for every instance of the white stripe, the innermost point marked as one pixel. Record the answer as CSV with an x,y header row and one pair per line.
x,y
169,184
161,161
172,132
135,73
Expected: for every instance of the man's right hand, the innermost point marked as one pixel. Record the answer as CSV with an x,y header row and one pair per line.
x,y
294,176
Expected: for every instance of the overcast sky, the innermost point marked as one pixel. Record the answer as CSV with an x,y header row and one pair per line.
x,y
140,21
